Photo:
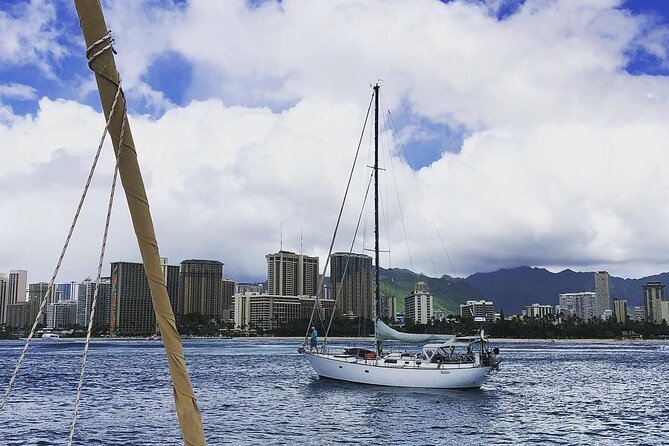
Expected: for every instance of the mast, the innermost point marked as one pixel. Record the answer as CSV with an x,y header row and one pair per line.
x,y
94,29
376,210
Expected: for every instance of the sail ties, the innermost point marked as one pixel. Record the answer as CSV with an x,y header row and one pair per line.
x,y
75,219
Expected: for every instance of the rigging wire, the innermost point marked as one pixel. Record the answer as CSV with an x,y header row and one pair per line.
x,y
422,195
385,203
334,235
350,251
399,205
69,234
97,280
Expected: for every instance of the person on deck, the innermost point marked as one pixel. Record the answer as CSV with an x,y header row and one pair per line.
x,y
314,339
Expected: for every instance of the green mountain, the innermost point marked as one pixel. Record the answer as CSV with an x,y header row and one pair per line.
x,y
448,292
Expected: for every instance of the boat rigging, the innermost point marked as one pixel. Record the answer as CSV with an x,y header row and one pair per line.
x,y
445,361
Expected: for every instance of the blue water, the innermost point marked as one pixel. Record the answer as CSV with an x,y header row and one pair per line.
x,y
259,391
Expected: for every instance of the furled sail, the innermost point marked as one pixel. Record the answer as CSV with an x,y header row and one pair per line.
x,y
385,333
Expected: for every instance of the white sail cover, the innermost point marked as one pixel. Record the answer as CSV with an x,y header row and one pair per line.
x,y
385,333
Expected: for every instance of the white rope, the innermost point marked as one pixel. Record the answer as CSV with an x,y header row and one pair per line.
x,y
96,292
65,246
97,286
58,264
109,45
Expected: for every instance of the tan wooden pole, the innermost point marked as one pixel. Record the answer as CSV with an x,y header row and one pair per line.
x,y
107,77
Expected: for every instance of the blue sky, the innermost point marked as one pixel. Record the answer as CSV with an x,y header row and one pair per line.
x,y
529,124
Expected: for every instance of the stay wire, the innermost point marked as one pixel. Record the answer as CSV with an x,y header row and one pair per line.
x,y
399,205
422,195
350,251
334,235
97,281
75,219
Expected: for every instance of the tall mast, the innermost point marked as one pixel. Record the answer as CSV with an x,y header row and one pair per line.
x,y
108,80
376,208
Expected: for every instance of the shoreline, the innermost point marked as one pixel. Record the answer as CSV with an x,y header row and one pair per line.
x,y
366,339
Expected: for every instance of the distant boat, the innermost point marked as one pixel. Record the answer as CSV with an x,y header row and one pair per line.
x,y
50,337
445,361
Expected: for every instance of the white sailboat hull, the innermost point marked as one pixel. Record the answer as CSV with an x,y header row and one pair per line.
x,y
377,372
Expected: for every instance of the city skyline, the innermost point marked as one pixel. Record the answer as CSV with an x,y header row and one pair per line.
x,y
534,130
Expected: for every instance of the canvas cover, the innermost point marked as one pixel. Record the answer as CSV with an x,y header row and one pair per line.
x,y
385,333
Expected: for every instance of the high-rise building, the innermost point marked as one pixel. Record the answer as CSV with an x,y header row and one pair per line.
x,y
3,299
37,292
620,310
172,281
479,310
17,283
61,314
324,311
67,291
418,306
228,287
131,309
538,311
264,311
85,302
201,288
389,308
664,311
602,293
17,315
290,274
653,295
351,281
244,287
581,304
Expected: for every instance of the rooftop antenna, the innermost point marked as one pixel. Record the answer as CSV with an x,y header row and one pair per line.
x,y
281,239
300,240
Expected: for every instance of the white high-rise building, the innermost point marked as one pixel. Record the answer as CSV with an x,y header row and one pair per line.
x,y
581,304
290,274
3,299
653,295
264,311
479,310
538,311
85,301
418,306
17,286
602,293
620,310
61,314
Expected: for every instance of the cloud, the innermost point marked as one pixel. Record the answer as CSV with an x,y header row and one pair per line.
x,y
561,151
17,91
29,35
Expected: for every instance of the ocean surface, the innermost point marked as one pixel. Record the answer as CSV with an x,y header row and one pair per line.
x,y
260,391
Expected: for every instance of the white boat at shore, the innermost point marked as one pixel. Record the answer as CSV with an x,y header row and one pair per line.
x,y
50,337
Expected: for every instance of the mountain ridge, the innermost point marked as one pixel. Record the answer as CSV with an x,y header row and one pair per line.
x,y
511,289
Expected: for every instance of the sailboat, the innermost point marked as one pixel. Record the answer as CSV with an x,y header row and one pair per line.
x,y
444,362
